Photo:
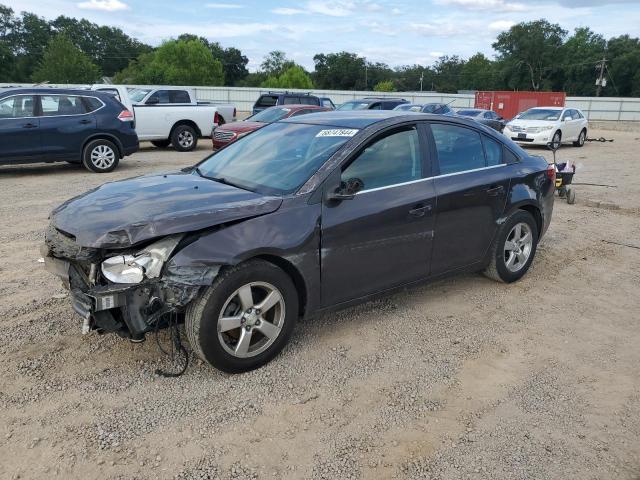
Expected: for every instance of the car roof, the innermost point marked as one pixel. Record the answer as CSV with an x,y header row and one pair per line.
x,y
53,91
548,108
363,118
375,99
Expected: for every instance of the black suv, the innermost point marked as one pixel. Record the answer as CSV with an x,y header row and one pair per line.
x,y
272,99
373,103
75,126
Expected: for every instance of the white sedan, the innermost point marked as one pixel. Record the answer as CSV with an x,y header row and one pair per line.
x,y
543,125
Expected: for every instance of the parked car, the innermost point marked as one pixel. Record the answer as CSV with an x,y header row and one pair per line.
x,y
230,132
273,99
437,108
55,125
487,117
543,125
171,115
305,215
409,107
328,103
373,103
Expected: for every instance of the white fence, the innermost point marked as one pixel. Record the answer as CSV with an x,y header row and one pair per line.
x,y
595,108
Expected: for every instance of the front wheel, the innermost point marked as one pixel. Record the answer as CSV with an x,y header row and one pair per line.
x,y
581,139
514,248
184,138
245,318
100,156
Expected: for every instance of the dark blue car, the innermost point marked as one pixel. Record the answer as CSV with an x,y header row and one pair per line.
x,y
76,126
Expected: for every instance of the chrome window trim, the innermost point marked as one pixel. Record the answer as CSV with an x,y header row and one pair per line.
x,y
430,178
19,95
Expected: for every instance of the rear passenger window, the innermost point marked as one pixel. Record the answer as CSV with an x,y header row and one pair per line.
x,y
92,103
459,149
53,105
179,96
17,107
493,151
309,100
291,100
267,101
392,159
161,95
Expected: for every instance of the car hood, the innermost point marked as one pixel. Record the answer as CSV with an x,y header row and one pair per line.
x,y
532,123
127,212
239,127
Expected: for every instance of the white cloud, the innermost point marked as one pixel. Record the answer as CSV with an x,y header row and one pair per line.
x,y
501,25
330,8
396,11
103,5
224,6
287,11
440,29
494,5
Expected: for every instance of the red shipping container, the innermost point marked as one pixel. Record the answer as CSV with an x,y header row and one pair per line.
x,y
508,104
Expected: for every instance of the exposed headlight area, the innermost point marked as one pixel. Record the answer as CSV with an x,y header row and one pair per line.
x,y
146,264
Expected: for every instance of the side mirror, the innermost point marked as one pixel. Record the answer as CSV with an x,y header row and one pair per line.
x,y
347,190
152,101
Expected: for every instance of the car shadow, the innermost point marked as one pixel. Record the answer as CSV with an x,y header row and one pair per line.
x,y
38,169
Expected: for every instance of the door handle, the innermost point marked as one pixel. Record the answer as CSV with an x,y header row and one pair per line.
x,y
29,125
495,191
85,121
419,210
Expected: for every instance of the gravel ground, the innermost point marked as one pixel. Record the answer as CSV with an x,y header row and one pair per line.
x,y
464,378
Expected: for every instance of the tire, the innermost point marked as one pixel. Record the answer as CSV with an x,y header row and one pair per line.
x,y
557,139
500,253
581,139
184,138
161,143
571,196
243,346
100,156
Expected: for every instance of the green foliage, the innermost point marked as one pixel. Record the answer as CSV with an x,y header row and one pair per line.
x,y
339,71
384,86
275,64
63,62
176,62
292,77
234,63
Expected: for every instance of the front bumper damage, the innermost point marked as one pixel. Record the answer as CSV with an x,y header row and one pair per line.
x,y
130,310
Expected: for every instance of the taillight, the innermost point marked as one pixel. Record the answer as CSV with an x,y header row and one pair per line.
x,y
125,116
216,119
551,172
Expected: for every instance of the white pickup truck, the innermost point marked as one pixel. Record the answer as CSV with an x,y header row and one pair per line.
x,y
170,115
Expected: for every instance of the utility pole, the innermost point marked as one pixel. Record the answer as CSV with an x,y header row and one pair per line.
x,y
366,74
421,80
601,82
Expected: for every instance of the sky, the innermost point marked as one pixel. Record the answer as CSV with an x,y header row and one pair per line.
x,y
396,32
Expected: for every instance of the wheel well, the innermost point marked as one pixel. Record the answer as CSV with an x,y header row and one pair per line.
x,y
295,275
102,137
185,122
535,213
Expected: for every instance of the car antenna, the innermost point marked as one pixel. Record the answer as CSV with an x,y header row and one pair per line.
x,y
446,105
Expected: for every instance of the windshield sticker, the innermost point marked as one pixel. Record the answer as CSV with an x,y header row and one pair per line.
x,y
337,132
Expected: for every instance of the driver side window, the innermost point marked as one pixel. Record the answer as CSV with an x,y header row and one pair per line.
x,y
391,159
567,115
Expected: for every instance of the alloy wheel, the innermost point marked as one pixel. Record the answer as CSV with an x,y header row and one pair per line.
x,y
103,157
517,248
185,139
251,319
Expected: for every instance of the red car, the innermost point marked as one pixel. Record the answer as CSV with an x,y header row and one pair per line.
x,y
230,132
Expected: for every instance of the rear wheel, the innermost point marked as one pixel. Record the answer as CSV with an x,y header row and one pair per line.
x,y
581,139
184,138
161,143
514,248
100,156
245,318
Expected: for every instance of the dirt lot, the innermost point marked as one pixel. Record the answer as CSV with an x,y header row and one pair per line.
x,y
465,378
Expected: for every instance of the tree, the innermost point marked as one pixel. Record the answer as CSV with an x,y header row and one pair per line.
x,y
408,78
7,25
234,63
384,86
31,36
448,73
477,73
63,62
292,77
339,71
176,62
580,53
275,63
532,46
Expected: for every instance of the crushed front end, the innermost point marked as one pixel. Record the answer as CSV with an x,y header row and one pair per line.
x,y
126,291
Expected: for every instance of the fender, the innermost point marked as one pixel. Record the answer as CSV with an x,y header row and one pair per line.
x,y
107,136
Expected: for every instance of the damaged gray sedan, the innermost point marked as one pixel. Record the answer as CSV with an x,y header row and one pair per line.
x,y
302,216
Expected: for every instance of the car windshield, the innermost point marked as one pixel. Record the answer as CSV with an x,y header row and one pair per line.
x,y
353,106
269,115
277,159
411,107
540,114
434,108
469,113
138,94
